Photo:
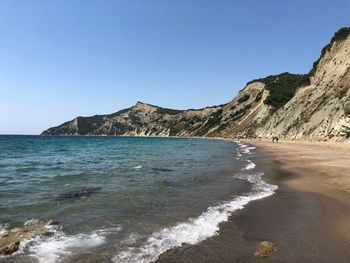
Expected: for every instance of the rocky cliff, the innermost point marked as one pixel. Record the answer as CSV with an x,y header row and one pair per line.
x,y
313,106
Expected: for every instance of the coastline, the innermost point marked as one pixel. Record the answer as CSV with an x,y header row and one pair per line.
x,y
306,218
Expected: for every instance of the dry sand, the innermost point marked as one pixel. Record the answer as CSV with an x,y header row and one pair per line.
x,y
323,168
327,164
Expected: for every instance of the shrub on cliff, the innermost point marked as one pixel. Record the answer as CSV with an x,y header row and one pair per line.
x,y
282,88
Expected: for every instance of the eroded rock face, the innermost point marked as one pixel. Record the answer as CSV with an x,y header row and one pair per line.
x,y
314,106
319,111
10,240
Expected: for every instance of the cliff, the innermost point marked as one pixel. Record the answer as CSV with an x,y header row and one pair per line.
x,y
313,106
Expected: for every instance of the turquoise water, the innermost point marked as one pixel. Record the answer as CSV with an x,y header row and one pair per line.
x,y
116,199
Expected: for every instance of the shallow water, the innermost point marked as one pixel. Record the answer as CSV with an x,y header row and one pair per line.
x,y
121,199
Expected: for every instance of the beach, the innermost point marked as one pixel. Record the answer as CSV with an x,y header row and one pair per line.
x,y
307,218
216,200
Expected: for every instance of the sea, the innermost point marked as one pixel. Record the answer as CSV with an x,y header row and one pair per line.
x,y
121,199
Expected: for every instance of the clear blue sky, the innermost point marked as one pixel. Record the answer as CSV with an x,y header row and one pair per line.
x,y
60,59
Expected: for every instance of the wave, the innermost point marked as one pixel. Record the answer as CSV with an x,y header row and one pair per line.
x,y
3,228
196,229
31,222
245,148
51,249
138,167
249,166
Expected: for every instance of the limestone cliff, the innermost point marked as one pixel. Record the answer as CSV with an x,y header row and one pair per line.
x,y
314,106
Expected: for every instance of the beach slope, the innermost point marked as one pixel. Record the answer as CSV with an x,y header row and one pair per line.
x,y
307,218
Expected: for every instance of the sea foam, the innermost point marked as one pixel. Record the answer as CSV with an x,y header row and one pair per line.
x,y
245,148
3,228
196,229
52,249
31,222
249,166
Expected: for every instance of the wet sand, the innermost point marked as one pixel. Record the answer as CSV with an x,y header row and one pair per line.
x,y
308,218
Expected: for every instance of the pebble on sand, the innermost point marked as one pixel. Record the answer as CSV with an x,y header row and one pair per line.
x,y
265,249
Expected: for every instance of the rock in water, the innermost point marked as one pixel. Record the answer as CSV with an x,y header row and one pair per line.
x,y
266,248
11,239
161,169
10,248
78,193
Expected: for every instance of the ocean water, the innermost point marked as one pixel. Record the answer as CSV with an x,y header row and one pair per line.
x,y
121,199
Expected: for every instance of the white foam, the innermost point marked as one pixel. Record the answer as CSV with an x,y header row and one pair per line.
x,y
257,182
196,229
245,148
31,222
138,167
3,228
52,249
108,231
249,166
131,239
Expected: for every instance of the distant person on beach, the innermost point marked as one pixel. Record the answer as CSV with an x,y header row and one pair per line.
x,y
274,138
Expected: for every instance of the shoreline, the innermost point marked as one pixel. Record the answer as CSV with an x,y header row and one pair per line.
x,y
306,218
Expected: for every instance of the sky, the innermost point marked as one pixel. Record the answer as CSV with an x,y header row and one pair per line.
x,y
65,58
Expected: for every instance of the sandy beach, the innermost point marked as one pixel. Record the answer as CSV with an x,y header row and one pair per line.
x,y
308,217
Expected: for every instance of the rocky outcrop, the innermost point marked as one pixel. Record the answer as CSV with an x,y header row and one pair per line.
x,y
10,240
313,106
318,111
142,120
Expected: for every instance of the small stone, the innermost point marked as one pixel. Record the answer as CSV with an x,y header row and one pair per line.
x,y
265,249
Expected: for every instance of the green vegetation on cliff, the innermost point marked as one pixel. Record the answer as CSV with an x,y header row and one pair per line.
x,y
282,87
213,120
88,124
168,111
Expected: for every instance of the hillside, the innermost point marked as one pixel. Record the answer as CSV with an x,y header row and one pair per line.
x,y
313,106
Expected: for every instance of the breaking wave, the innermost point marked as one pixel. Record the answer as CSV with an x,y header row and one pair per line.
x,y
196,229
58,245
249,166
